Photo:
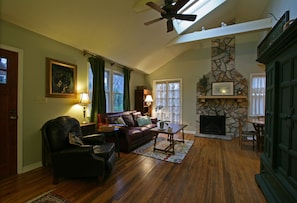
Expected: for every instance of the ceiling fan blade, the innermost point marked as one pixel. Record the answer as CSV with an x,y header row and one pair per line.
x,y
156,7
178,5
189,17
169,25
153,21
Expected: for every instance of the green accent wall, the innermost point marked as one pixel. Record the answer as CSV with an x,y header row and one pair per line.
x,y
35,109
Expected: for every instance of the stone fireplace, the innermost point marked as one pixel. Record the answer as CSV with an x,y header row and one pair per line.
x,y
222,70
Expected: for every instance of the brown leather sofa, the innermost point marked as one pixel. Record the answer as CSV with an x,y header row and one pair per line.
x,y
131,135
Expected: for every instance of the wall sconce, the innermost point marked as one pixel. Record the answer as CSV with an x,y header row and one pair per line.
x,y
148,99
84,101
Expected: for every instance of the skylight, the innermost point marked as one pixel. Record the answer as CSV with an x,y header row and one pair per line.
x,y
197,7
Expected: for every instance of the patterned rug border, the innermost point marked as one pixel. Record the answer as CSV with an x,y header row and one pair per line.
x,y
48,197
181,150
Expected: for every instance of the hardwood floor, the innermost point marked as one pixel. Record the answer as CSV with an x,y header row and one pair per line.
x,y
213,171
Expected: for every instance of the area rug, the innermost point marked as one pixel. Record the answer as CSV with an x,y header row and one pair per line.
x,y
49,197
181,150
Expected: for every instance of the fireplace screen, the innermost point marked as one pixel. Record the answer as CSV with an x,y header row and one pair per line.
x,y
214,125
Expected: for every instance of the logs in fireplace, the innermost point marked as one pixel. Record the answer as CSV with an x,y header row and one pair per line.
x,y
214,125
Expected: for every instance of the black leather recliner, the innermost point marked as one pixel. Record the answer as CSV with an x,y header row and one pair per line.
x,y
69,160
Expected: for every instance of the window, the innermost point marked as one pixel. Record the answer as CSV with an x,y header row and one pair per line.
x,y
197,7
3,71
257,94
168,100
114,89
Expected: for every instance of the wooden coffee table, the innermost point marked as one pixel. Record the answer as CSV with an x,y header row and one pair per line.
x,y
175,128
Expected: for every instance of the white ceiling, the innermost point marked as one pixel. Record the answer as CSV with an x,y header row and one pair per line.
x,y
114,29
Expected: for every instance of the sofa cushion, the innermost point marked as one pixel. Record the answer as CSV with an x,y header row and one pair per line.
x,y
143,120
128,118
135,133
136,115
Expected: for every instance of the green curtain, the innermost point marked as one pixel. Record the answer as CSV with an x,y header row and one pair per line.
x,y
127,72
98,97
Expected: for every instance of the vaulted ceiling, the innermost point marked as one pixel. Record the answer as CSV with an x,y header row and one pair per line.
x,y
115,29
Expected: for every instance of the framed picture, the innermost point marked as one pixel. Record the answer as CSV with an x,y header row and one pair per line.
x,y
222,88
60,79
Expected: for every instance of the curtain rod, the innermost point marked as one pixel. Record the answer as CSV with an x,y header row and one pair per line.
x,y
86,52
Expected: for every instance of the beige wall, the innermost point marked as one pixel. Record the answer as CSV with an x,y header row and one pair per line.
x,y
192,64
35,108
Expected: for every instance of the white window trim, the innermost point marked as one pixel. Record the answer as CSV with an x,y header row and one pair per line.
x,y
111,99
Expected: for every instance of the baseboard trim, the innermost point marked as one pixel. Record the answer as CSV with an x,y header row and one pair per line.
x,y
31,167
221,137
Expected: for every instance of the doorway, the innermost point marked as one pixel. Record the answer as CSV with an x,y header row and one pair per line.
x,y
9,112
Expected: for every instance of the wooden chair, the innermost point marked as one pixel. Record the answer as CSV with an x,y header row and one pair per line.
x,y
245,133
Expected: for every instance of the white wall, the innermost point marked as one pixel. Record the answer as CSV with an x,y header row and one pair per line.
x,y
279,7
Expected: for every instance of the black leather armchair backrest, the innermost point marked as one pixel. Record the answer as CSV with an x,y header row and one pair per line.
x,y
55,132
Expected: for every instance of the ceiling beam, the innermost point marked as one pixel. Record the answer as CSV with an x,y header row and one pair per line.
x,y
251,26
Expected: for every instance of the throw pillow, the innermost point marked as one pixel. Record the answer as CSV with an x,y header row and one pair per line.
x,y
75,140
128,118
143,120
111,120
136,115
120,120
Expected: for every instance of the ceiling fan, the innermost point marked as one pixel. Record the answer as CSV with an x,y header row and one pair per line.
x,y
169,11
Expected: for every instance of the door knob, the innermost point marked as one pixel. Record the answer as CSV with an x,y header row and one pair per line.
x,y
12,117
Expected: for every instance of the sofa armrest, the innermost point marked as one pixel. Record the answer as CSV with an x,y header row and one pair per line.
x,y
154,120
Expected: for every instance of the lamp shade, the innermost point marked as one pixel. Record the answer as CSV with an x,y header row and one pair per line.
x,y
84,99
148,98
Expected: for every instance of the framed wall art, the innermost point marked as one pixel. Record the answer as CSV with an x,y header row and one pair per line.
x,y
222,88
60,79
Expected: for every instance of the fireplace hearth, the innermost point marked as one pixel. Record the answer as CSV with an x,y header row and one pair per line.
x,y
214,125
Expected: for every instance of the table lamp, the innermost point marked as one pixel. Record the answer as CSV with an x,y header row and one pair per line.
x,y
148,99
84,101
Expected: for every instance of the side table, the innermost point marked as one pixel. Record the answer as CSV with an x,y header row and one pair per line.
x,y
88,128
113,134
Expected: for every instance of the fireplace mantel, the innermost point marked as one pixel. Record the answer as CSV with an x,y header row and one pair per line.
x,y
239,98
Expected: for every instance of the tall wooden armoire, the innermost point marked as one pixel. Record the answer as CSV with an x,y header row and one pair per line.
x,y
278,170
140,104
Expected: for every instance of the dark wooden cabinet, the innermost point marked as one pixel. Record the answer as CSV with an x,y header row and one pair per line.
x,y
140,104
88,128
278,170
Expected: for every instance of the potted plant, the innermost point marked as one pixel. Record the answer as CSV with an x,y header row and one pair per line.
x,y
162,123
203,82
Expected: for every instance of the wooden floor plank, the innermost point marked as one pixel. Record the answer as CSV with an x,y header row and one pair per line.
x,y
213,171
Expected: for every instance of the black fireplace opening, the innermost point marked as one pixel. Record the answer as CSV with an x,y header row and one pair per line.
x,y
214,125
